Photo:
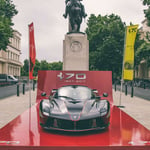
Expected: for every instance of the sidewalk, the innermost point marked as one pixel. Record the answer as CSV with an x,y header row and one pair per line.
x,y
136,107
13,106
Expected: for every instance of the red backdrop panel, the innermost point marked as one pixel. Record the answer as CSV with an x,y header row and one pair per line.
x,y
100,80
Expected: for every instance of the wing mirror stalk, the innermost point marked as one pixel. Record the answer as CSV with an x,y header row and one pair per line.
x,y
43,94
104,95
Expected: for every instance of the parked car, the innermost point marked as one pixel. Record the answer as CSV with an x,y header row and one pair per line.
x,y
74,108
7,79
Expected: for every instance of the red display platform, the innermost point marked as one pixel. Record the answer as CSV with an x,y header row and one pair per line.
x,y
124,132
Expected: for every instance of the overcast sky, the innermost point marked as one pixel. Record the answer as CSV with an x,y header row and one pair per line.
x,y
50,27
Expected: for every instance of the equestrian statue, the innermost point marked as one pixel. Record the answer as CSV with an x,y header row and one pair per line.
x,y
76,11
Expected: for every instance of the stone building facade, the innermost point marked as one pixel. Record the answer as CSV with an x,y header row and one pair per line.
x,y
10,59
143,69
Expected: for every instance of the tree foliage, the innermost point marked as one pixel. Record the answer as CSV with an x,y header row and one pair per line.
x,y
55,66
43,65
106,42
7,11
138,45
25,68
36,68
147,11
143,50
146,2
143,53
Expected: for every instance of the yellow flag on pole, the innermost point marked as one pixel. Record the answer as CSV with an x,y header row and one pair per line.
x,y
128,61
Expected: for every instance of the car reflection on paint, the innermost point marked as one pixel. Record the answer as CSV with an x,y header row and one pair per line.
x,y
74,108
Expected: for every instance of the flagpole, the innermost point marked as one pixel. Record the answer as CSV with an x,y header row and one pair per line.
x,y
32,57
29,71
121,88
29,82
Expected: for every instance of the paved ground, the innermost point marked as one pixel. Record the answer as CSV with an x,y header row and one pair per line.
x,y
138,92
13,106
136,107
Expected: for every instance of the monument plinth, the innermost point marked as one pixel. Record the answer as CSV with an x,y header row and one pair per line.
x,y
76,52
75,45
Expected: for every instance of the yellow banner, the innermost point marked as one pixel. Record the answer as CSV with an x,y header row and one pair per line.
x,y
128,68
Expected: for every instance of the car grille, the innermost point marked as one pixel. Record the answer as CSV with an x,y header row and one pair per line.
x,y
75,125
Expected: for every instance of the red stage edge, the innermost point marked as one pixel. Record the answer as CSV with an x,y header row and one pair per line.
x,y
74,148
25,133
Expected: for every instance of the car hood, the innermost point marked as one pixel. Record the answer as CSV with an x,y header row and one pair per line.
x,y
74,109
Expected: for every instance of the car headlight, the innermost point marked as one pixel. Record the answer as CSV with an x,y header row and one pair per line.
x,y
102,107
58,109
46,107
51,107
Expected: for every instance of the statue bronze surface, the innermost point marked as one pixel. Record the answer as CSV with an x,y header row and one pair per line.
x,y
76,11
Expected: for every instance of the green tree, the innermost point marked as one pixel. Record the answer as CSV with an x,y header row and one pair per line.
x,y
25,68
106,42
138,44
36,68
7,11
44,65
143,53
55,66
146,2
147,11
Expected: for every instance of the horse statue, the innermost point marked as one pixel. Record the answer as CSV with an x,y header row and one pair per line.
x,y
76,12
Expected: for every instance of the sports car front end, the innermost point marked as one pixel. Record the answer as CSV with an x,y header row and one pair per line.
x,y
69,114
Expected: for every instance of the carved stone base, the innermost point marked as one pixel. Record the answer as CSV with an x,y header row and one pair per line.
x,y
76,52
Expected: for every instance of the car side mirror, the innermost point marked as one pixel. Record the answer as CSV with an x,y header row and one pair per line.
x,y
53,90
43,94
95,91
105,94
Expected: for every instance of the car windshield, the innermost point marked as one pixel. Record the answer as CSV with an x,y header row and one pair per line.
x,y
75,92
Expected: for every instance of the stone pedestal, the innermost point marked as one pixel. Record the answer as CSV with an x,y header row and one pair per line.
x,y
76,52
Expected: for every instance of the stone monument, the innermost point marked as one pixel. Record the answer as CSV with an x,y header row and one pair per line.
x,y
75,45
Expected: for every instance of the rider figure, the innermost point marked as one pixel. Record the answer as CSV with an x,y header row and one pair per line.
x,y
69,4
